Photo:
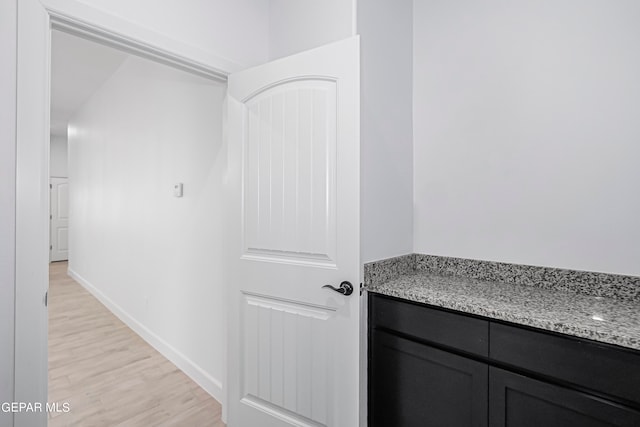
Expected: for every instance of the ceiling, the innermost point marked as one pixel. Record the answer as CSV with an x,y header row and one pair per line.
x,y
78,68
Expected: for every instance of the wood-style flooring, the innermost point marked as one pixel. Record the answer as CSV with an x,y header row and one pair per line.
x,y
107,374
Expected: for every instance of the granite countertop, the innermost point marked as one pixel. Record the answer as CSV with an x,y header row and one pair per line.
x,y
604,319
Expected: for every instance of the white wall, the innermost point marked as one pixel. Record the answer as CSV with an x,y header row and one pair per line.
x,y
236,30
7,200
526,128
154,258
58,156
297,25
385,30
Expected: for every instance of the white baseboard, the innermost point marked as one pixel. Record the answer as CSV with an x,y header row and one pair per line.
x,y
193,371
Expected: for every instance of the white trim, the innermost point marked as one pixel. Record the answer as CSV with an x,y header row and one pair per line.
x,y
32,211
186,365
8,46
354,17
87,22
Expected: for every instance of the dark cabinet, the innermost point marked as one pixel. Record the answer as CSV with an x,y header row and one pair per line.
x,y
435,367
418,385
518,401
603,368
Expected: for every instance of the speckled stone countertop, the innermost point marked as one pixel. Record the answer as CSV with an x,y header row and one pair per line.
x,y
581,314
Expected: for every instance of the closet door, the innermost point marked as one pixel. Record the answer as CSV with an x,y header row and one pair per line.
x,y
59,219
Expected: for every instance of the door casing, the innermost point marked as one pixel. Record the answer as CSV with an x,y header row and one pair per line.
x,y
36,19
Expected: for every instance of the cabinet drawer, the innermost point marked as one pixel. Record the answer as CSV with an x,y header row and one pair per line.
x,y
600,367
456,331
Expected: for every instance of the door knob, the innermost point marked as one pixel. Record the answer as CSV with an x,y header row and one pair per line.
x,y
345,288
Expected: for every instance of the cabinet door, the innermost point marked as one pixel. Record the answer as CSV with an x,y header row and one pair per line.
x,y
518,401
412,384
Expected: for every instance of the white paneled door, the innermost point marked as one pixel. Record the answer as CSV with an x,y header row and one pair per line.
x,y
294,174
59,219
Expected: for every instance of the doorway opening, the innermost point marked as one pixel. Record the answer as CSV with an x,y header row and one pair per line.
x,y
137,320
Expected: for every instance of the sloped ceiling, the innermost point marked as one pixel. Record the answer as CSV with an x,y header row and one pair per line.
x,y
78,68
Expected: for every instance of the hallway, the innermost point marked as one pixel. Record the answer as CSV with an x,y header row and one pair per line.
x,y
107,374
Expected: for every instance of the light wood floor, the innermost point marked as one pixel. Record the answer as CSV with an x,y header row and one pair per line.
x,y
107,374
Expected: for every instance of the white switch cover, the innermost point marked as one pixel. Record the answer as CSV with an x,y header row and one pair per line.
x,y
177,190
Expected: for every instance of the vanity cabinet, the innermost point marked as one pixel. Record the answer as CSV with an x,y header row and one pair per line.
x,y
517,400
435,367
403,391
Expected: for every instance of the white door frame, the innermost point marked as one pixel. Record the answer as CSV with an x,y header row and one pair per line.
x,y
36,18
